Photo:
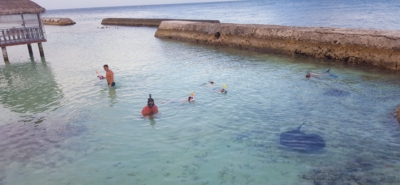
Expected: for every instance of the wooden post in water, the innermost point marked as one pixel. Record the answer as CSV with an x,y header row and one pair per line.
x,y
30,50
41,49
5,56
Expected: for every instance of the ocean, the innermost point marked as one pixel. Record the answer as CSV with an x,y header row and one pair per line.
x,y
60,124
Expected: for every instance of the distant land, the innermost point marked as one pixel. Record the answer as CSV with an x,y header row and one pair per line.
x,y
73,4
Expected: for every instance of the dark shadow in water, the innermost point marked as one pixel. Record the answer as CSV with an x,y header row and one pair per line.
x,y
29,87
358,170
38,145
336,92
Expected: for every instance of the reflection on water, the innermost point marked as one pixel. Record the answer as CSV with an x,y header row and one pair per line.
x,y
113,95
29,87
152,121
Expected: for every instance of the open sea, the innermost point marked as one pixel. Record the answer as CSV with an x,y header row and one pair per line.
x,y
61,125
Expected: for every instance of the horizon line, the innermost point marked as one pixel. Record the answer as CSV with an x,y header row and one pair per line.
x,y
221,1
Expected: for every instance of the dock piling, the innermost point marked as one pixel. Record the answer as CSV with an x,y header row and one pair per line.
x,y
41,49
30,50
5,56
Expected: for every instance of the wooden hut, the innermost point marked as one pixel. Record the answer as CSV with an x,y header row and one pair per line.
x,y
20,23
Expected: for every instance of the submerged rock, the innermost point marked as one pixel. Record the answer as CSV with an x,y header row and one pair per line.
x,y
336,92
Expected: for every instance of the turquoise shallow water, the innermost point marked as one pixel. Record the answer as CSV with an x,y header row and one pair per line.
x,y
60,124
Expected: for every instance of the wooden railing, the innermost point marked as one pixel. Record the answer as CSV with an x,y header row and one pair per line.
x,y
21,35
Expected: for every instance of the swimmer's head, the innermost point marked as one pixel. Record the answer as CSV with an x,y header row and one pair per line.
x,y
211,82
150,101
223,91
191,97
308,75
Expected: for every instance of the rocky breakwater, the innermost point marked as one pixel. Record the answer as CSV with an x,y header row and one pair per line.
x,y
58,21
364,47
145,22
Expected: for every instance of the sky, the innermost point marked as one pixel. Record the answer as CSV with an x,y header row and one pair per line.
x,y
68,4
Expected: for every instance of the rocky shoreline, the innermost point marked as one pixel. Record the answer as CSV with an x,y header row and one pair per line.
x,y
376,48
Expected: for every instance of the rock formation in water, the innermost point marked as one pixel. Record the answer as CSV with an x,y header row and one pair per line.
x,y
58,21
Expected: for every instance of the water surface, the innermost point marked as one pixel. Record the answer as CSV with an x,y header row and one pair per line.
x,y
60,124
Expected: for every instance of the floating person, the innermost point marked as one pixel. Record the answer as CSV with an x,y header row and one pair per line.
x,y
109,76
309,74
300,141
222,90
150,108
209,83
189,99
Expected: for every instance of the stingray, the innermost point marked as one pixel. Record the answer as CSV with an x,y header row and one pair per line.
x,y
336,92
300,141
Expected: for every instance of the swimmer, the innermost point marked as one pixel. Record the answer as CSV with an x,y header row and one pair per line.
x,y
209,82
223,90
191,97
150,108
309,74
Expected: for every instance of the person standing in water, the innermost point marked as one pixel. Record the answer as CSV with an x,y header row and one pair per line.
x,y
150,108
109,76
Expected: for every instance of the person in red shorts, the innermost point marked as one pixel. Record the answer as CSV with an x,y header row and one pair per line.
x,y
150,108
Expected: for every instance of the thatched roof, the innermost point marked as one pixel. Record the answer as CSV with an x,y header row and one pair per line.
x,y
13,7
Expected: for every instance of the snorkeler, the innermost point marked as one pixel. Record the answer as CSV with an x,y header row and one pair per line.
x,y
309,74
184,100
209,83
223,90
150,108
191,97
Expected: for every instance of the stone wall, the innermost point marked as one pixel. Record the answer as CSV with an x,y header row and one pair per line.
x,y
144,22
364,47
